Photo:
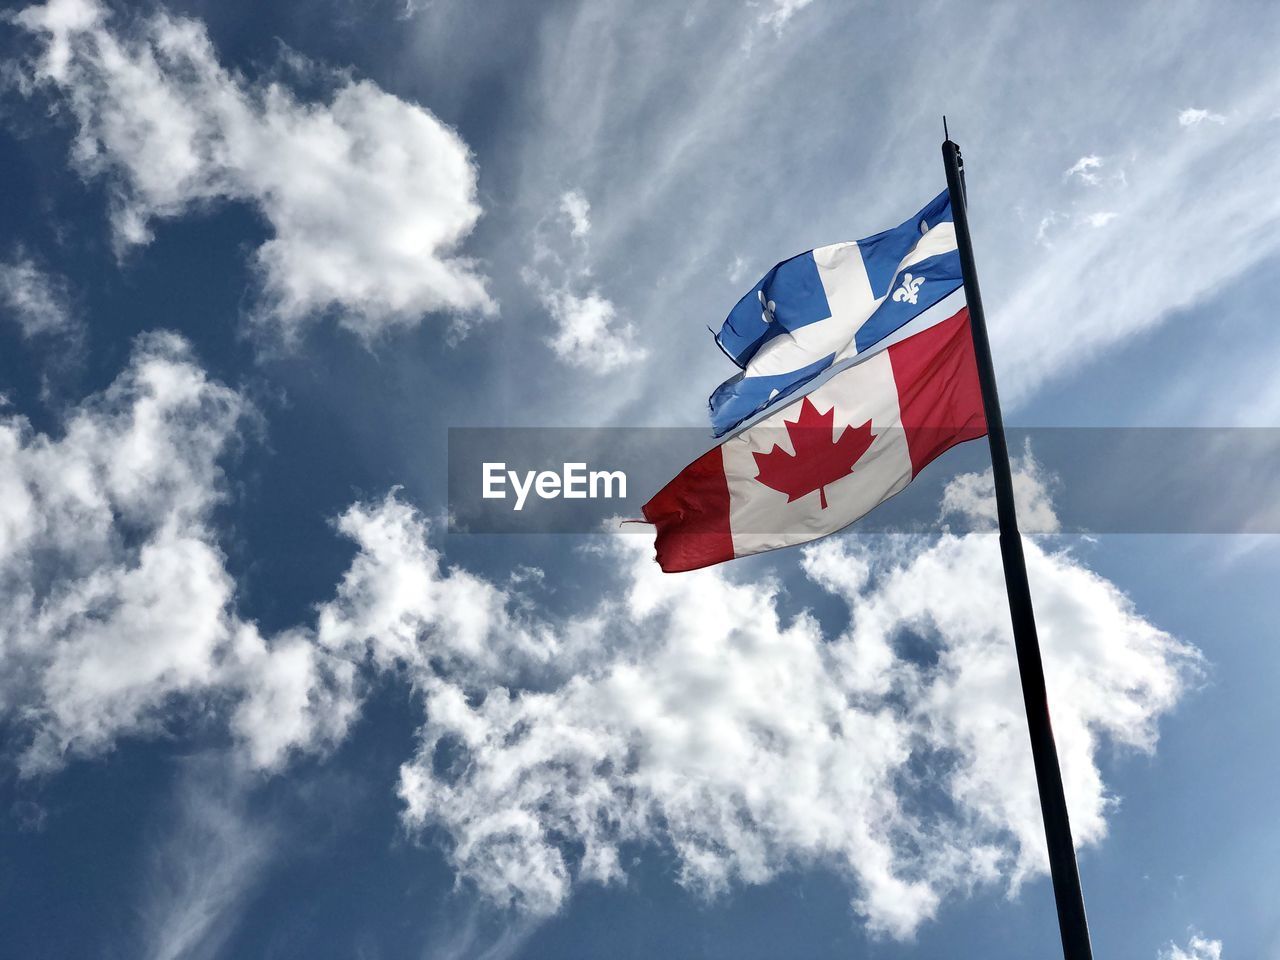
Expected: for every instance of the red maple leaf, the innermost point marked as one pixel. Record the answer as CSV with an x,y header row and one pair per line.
x,y
818,460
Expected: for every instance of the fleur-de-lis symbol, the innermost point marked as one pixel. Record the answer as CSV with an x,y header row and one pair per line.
x,y
766,308
910,289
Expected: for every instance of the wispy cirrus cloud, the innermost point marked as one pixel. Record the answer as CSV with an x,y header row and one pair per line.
x,y
205,862
368,196
1186,189
799,180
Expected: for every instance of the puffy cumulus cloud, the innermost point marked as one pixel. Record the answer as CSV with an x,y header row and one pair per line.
x,y
686,712
1197,948
114,590
589,333
38,301
696,716
120,613
971,498
712,726
290,695
400,606
1110,675
368,196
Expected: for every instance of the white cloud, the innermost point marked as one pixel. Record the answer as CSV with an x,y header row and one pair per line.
x,y
1107,285
1197,948
1084,169
121,615
683,711
114,589
1193,116
292,695
1100,218
201,872
37,300
398,604
589,332
697,717
1047,223
778,13
368,196
465,937
119,609
575,206
1091,286
971,497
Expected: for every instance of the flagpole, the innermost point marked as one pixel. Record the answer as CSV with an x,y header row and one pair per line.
x,y
1053,802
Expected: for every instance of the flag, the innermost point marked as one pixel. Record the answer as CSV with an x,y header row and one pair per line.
x,y
829,304
820,463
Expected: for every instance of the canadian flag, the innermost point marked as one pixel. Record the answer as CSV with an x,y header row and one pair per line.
x,y
822,462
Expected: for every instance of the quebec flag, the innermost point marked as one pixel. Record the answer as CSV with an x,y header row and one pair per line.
x,y
830,304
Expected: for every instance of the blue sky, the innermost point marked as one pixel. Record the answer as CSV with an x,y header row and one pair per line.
x,y
256,260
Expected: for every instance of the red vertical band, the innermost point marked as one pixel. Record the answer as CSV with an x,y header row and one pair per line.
x,y
692,516
938,392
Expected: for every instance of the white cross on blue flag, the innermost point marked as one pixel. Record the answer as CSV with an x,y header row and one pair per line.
x,y
829,304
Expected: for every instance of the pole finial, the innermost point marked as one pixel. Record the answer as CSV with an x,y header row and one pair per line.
x,y
945,134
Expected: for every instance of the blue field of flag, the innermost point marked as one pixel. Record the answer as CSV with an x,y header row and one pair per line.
x,y
828,304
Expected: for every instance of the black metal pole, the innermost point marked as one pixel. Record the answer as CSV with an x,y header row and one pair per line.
x,y
1053,801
